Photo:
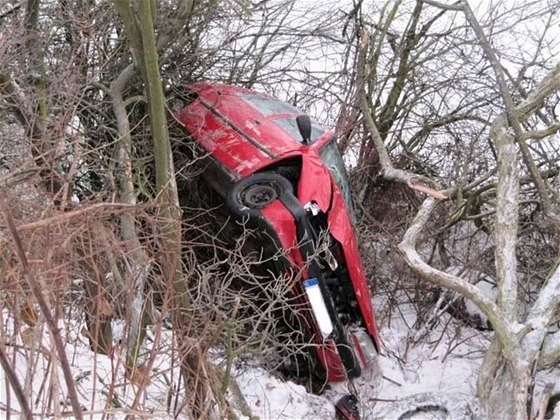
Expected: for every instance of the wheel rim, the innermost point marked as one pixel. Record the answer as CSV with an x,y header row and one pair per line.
x,y
259,195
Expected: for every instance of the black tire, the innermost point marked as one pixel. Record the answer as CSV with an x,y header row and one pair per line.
x,y
431,406
256,192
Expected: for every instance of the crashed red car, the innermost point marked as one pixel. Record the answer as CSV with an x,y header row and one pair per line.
x,y
283,174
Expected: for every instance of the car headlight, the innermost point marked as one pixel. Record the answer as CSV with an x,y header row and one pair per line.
x,y
365,348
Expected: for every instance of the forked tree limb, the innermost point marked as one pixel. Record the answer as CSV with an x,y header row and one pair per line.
x,y
506,330
506,133
414,181
503,315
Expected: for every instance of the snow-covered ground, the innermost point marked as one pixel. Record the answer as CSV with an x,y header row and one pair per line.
x,y
442,365
440,369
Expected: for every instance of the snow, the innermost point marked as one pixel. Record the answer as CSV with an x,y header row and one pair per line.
x,y
442,370
272,398
443,364
438,371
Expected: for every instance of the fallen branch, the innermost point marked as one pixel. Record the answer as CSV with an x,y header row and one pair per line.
x,y
420,186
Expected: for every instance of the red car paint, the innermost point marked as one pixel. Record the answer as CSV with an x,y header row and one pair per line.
x,y
244,141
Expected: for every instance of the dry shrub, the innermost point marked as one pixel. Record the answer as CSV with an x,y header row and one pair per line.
x,y
237,306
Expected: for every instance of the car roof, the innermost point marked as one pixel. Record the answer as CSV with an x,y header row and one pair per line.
x,y
243,129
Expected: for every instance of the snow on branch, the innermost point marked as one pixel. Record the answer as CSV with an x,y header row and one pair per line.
x,y
550,352
548,300
454,6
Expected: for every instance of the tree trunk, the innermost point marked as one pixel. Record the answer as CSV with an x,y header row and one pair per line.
x,y
169,214
140,27
503,387
138,260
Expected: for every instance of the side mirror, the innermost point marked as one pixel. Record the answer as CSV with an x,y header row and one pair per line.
x,y
304,127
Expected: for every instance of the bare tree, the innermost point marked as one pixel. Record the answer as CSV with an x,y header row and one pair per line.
x,y
447,84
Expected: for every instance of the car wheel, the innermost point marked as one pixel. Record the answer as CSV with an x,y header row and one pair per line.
x,y
257,191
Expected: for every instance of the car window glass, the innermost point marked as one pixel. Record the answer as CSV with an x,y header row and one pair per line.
x,y
331,156
269,106
290,125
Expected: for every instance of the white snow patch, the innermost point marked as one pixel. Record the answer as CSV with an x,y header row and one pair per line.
x,y
271,398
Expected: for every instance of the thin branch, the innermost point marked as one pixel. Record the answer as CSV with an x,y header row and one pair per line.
x,y
541,134
10,11
16,386
455,6
66,216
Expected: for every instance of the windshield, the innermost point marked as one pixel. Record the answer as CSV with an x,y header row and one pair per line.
x,y
269,106
290,125
333,159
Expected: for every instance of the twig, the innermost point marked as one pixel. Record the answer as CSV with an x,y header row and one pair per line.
x,y
392,381
8,12
65,216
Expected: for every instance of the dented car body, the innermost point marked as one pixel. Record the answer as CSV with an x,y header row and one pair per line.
x,y
283,174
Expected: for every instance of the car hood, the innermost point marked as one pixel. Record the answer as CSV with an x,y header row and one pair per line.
x,y
317,185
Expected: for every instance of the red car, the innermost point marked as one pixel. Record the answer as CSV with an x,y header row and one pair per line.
x,y
283,174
